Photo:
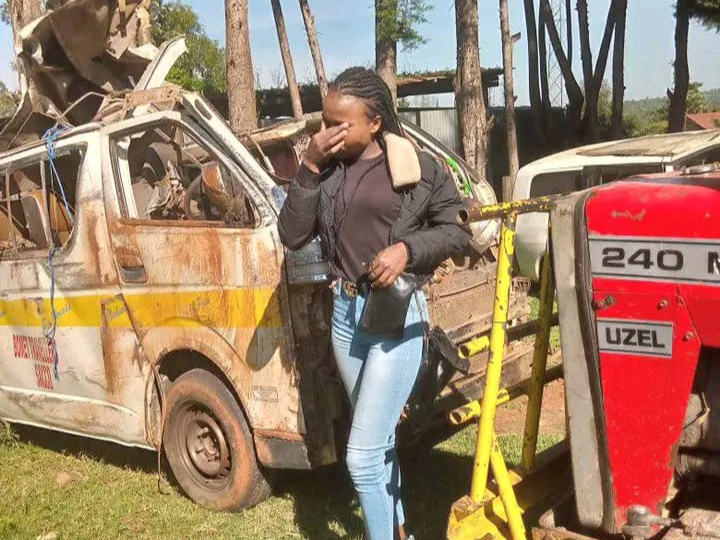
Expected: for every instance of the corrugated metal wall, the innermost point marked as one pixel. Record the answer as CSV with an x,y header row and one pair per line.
x,y
441,123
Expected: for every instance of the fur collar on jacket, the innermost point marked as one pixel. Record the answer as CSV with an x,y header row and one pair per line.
x,y
403,161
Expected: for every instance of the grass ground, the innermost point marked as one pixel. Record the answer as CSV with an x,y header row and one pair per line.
x,y
555,332
58,487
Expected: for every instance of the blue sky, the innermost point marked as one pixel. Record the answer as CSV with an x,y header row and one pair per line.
x,y
346,38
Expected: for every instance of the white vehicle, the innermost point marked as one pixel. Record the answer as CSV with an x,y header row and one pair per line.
x,y
587,166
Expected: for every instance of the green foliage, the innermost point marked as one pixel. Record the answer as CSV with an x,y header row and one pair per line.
x,y
604,107
696,103
650,115
713,98
638,127
8,101
4,12
631,125
448,72
651,122
696,100
7,438
706,12
399,19
202,67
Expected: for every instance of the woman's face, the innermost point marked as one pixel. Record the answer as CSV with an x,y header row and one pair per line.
x,y
363,128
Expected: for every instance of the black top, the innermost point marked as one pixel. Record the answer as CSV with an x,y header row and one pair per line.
x,y
426,223
366,206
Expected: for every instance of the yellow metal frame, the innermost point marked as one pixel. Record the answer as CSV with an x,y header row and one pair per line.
x,y
493,509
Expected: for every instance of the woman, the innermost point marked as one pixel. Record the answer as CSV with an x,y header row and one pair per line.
x,y
381,209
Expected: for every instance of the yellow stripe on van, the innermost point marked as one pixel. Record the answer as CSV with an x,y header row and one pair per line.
x,y
237,308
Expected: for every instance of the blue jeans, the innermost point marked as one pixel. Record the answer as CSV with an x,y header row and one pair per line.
x,y
379,375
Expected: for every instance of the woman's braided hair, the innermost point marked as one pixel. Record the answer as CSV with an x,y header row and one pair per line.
x,y
367,85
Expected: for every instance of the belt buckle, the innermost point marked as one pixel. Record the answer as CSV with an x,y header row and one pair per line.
x,y
350,288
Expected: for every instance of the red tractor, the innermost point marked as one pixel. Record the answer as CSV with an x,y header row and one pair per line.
x,y
636,268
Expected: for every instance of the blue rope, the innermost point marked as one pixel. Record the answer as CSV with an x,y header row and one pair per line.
x,y
51,333
50,138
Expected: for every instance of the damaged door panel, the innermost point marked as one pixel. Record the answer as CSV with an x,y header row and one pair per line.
x,y
54,273
218,276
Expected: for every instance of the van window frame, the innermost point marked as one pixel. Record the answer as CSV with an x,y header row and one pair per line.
x,y
41,157
124,190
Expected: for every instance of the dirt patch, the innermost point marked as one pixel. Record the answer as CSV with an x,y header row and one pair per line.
x,y
67,478
510,418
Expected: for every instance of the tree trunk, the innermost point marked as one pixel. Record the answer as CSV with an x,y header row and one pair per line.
x,y
618,92
592,122
604,52
678,98
469,97
314,47
509,89
287,60
574,92
536,104
242,110
584,35
532,48
543,61
386,47
22,13
590,116
573,88
568,28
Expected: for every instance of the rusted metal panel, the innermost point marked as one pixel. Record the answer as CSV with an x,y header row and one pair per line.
x,y
116,108
277,450
91,392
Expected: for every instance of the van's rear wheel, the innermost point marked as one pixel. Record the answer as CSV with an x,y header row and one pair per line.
x,y
209,446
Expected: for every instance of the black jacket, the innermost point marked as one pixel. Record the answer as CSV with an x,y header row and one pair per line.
x,y
427,222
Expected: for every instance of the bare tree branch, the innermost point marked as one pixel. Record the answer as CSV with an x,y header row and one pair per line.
x,y
287,59
532,48
585,51
678,97
603,53
314,47
573,88
618,93
509,90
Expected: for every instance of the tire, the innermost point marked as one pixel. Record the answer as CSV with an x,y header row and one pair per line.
x,y
209,446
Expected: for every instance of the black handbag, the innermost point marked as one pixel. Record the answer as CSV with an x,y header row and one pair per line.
x,y
385,310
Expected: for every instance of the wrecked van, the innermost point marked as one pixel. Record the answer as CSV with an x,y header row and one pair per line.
x,y
145,297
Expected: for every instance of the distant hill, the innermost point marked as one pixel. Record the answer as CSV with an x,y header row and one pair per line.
x,y
642,108
713,96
